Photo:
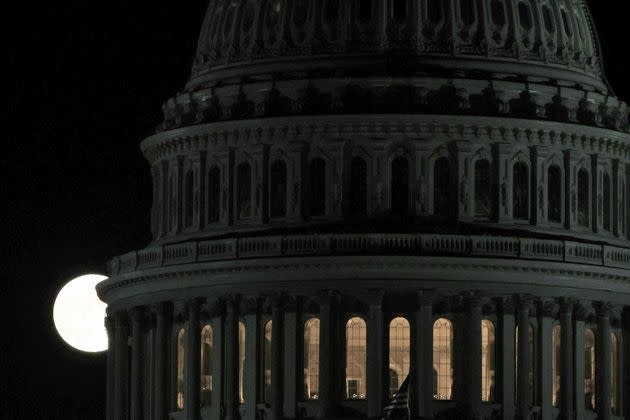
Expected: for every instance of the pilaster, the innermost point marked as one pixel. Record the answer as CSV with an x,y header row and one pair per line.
x,y
502,152
465,176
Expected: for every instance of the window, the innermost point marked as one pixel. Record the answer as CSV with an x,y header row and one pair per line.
x,y
589,369
267,362
443,359
189,187
278,186
567,25
214,194
434,10
607,203
400,186
525,16
583,198
441,184
244,191
311,359
554,194
614,376
241,362
548,19
498,12
532,352
400,11
358,187
555,364
520,191
483,189
356,348
467,11
399,353
318,187
365,10
487,360
181,346
206,366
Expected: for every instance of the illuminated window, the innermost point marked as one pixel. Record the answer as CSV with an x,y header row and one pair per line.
x,y
583,195
487,360
441,186
181,339
554,194
267,362
241,362
589,369
442,359
318,187
358,187
311,359
243,191
614,377
520,191
214,194
400,186
607,204
399,353
278,187
483,189
356,349
555,364
190,202
532,352
206,366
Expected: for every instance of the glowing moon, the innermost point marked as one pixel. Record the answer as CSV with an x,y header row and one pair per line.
x,y
79,314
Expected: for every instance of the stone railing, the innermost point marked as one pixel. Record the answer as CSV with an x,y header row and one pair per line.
x,y
371,244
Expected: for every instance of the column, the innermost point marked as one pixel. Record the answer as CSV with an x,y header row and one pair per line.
x,y
422,351
328,377
472,369
231,359
163,313
524,358
506,352
249,310
603,362
121,378
375,359
581,312
136,362
465,175
291,355
277,358
217,311
502,154
625,361
192,363
548,309
111,333
566,361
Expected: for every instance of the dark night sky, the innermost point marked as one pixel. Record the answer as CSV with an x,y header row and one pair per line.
x,y
86,83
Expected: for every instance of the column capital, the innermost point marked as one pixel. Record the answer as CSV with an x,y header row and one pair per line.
x,y
327,298
213,308
193,304
583,311
425,297
506,305
121,318
524,302
567,305
248,305
607,310
549,307
373,298
472,299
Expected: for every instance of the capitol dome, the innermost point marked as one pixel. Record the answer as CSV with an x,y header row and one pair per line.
x,y
350,192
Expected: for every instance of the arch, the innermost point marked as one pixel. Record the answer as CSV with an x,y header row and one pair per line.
x,y
589,369
443,358
206,365
556,343
311,359
181,348
614,373
488,360
607,204
400,186
241,361
356,350
520,191
399,352
483,188
214,194
583,194
278,189
189,183
554,194
441,186
358,187
244,191
318,187
266,365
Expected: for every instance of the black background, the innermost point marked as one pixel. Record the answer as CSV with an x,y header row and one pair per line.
x,y
86,82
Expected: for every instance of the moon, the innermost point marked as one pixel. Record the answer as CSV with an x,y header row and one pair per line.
x,y
79,314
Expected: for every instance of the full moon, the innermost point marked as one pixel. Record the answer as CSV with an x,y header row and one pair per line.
x,y
79,314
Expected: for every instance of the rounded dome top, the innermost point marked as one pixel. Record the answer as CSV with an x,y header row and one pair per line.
x,y
539,40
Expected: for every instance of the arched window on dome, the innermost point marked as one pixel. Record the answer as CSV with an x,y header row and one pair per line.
x,y
520,191
214,194
189,206
206,366
399,353
589,369
267,337
525,15
435,11
488,361
583,198
244,191
566,23
318,187
311,359
356,352
181,347
400,11
556,340
358,187
441,186
467,11
607,202
483,188
443,359
241,362
548,19
532,367
614,377
400,186
278,189
554,194
497,9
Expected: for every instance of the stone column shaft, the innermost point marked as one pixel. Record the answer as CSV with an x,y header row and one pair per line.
x,y
136,364
422,351
121,378
603,364
579,368
218,365
327,366
277,360
231,360
111,347
162,327
524,361
472,369
192,364
292,376
546,365
375,361
566,362
506,352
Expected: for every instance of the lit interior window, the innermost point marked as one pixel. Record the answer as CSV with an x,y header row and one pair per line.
x,y
487,360
442,359
181,338
206,366
241,362
267,362
399,353
589,369
614,377
311,359
555,364
356,347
